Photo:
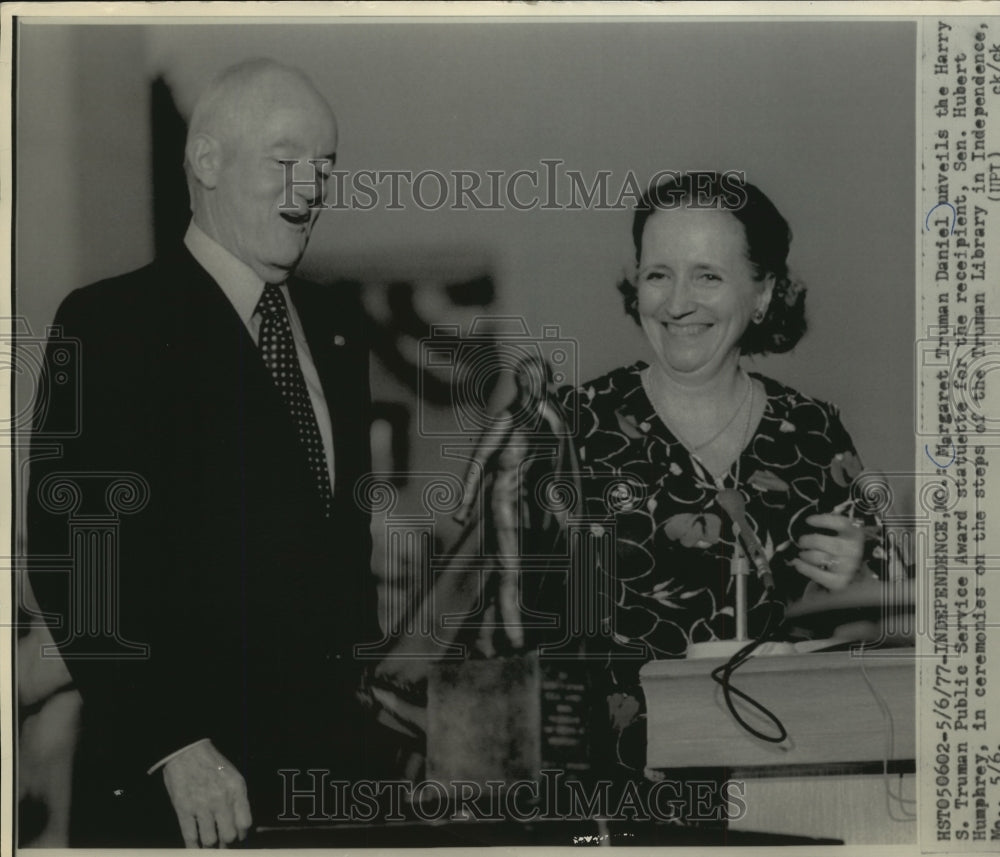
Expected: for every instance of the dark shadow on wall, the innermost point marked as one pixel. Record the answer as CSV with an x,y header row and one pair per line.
x,y
171,209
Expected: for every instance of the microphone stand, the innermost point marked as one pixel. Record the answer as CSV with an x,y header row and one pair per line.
x,y
747,551
740,569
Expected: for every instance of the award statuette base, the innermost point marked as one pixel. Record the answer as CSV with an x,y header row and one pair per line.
x,y
506,719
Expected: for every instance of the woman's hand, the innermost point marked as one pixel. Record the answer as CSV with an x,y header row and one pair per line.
x,y
831,560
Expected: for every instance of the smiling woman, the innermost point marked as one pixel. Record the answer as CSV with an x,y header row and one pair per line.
x,y
697,290
702,445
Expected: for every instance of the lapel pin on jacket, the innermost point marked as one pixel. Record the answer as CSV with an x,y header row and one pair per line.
x,y
339,340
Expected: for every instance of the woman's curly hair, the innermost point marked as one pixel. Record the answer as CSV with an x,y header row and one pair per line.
x,y
768,237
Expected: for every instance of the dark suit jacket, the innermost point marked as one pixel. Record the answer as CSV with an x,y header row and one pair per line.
x,y
250,601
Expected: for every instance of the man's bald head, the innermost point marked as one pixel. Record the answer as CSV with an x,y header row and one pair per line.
x,y
255,128
244,93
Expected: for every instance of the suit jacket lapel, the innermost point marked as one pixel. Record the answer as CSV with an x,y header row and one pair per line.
x,y
220,347
202,308
218,352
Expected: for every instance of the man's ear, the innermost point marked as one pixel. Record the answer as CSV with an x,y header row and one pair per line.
x,y
204,157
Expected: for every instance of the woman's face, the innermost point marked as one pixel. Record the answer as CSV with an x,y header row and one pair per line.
x,y
696,290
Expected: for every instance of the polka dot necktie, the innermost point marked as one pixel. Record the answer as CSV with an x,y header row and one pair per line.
x,y
277,347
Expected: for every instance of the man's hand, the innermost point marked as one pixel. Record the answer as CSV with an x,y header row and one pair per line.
x,y
209,796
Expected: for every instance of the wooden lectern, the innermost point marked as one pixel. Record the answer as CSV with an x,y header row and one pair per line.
x,y
849,717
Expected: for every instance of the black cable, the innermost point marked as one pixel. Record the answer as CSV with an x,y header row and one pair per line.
x,y
722,675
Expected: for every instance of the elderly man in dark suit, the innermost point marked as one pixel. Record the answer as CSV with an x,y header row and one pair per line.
x,y
238,397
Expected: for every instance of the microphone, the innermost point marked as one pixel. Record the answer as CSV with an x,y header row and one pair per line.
x,y
731,502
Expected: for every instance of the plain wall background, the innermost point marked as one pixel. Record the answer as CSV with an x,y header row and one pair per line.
x,y
819,114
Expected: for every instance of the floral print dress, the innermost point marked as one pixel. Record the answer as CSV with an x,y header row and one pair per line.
x,y
671,583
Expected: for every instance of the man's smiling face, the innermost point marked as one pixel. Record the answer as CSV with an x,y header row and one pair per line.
x,y
261,209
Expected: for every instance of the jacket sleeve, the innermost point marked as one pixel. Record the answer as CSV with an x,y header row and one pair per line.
x,y
92,510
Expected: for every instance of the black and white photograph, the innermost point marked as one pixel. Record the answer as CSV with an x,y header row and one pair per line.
x,y
498,427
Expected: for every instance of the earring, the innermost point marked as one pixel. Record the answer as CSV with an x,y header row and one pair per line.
x,y
758,316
